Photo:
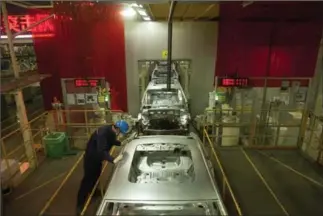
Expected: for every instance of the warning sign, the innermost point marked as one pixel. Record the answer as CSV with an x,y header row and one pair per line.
x,y
164,54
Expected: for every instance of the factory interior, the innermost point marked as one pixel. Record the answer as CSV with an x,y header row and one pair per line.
x,y
233,87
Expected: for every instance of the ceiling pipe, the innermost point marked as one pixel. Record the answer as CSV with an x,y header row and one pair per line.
x,y
170,43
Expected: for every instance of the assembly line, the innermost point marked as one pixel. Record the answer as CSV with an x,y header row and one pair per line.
x,y
129,133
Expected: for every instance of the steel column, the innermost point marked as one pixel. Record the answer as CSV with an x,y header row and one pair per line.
x,y
21,109
170,43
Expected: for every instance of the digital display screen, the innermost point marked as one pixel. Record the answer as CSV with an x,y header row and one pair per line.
x,y
233,82
86,82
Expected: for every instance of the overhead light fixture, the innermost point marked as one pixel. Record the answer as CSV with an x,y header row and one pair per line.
x,y
146,18
128,12
27,36
142,12
19,36
136,5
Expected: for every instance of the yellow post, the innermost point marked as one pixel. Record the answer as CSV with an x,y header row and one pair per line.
x,y
21,109
4,155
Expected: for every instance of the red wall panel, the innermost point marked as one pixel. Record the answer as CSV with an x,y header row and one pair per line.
x,y
88,42
261,40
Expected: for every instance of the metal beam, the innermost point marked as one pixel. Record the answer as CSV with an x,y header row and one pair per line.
x,y
170,43
150,11
205,11
186,9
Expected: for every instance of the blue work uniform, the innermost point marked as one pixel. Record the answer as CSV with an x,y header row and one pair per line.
x,y
97,150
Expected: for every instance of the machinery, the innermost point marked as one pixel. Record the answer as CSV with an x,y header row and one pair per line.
x,y
163,175
163,111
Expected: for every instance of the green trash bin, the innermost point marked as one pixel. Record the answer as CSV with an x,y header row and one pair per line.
x,y
55,144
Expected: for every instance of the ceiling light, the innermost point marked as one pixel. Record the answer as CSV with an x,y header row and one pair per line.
x,y
128,12
142,12
136,5
146,18
19,36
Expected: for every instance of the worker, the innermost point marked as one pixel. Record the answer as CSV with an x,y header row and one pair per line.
x,y
97,151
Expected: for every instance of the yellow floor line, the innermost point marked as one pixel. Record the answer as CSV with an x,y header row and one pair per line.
x,y
293,170
49,202
40,186
265,182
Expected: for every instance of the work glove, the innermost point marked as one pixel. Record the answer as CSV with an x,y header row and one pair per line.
x,y
118,158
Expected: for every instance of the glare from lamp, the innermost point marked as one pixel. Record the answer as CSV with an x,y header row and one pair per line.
x,y
146,18
19,36
142,12
136,5
128,12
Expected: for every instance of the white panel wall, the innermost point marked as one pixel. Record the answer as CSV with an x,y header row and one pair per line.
x,y
196,41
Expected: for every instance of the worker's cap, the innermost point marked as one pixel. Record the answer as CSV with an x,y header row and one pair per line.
x,y
122,125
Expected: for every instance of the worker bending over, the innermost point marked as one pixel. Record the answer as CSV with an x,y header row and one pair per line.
x,y
98,150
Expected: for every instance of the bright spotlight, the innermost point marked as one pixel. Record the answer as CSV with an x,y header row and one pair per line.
x,y
142,12
146,18
128,12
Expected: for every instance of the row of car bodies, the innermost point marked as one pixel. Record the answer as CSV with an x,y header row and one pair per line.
x,y
164,111
166,170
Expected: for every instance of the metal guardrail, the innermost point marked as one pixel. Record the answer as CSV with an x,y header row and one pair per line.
x,y
226,187
13,151
103,186
13,146
255,132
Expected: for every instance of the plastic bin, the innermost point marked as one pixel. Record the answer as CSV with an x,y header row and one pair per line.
x,y
55,144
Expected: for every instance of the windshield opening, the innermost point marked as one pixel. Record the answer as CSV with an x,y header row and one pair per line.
x,y
162,209
163,98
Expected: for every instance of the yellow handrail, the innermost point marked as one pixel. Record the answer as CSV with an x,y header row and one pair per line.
x,y
225,180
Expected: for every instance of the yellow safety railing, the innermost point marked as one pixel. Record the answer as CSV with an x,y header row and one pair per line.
x,y
259,131
80,124
311,142
226,187
102,186
16,161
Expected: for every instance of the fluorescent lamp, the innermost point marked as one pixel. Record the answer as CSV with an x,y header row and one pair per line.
x,y
18,36
128,12
142,12
146,18
136,5
29,36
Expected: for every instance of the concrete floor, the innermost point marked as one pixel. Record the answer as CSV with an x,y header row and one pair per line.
x,y
52,189
265,186
280,190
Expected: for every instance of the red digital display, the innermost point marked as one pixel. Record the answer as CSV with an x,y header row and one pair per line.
x,y
20,22
233,82
86,82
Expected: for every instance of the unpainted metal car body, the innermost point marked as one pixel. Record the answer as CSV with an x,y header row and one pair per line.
x,y
163,175
160,72
164,111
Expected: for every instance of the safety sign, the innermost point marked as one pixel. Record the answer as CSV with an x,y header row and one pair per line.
x,y
80,99
91,98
